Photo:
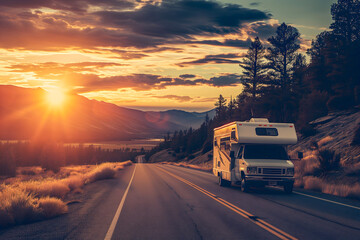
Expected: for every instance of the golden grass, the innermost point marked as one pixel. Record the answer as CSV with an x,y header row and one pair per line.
x,y
342,190
324,141
31,200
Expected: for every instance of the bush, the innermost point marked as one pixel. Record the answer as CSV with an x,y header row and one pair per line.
x,y
307,130
356,138
52,207
329,160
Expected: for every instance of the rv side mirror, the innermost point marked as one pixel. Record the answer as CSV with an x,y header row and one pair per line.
x,y
232,154
300,155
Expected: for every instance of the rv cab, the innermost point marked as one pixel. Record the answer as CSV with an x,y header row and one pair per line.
x,y
253,153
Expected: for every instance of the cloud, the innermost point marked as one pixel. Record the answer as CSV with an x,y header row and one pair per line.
x,y
214,59
92,81
182,19
176,98
225,43
119,24
187,76
263,30
66,5
225,80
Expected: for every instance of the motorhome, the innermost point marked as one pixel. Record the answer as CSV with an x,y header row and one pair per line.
x,y
253,153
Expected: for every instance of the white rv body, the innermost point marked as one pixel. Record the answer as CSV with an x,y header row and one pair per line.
x,y
253,153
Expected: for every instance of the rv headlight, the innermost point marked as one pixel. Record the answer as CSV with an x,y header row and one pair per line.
x,y
290,171
252,170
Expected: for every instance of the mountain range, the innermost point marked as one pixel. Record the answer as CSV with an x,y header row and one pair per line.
x,y
25,114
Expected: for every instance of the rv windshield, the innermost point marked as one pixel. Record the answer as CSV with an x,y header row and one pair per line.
x,y
263,151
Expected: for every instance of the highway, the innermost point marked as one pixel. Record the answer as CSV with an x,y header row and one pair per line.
x,y
155,201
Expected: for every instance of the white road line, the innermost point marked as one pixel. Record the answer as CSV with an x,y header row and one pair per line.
x,y
118,211
326,200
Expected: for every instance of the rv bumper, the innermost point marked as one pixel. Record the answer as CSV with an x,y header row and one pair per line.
x,y
269,181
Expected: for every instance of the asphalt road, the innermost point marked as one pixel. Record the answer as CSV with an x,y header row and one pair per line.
x,y
151,201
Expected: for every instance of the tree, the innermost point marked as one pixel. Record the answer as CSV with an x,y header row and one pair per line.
x,y
346,16
220,109
282,55
254,67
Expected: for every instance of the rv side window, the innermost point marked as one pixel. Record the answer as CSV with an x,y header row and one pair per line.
x,y
266,131
233,135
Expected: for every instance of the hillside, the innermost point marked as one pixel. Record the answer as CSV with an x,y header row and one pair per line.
x,y
24,114
336,132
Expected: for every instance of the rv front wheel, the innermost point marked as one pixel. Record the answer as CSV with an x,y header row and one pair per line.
x,y
244,185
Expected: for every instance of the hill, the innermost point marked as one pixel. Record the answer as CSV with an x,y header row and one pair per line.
x,y
25,114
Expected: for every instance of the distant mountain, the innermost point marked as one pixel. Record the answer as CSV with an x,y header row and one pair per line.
x,y
183,118
25,114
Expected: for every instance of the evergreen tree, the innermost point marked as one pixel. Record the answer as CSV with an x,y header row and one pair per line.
x,y
346,16
254,67
282,55
220,109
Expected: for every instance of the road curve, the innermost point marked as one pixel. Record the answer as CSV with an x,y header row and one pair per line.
x,y
153,201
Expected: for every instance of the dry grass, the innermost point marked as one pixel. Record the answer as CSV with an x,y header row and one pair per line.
x,y
324,141
343,190
51,207
31,200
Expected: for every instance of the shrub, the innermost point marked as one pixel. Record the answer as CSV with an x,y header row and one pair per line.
x,y
51,188
51,207
103,171
307,130
329,160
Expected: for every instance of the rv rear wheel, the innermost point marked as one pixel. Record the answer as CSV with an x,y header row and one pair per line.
x,y
288,188
244,185
222,182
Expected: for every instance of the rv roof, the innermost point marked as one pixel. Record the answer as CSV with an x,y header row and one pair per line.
x,y
262,120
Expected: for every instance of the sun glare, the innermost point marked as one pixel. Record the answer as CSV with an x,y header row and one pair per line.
x,y
56,97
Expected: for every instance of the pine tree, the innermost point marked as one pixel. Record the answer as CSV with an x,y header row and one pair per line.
x,y
254,67
220,109
282,55
346,16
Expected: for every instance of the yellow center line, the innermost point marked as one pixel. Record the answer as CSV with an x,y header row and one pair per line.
x,y
261,223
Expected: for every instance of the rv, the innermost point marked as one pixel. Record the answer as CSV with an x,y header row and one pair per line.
x,y
253,153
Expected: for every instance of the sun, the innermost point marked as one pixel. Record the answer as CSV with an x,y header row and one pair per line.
x,y
56,97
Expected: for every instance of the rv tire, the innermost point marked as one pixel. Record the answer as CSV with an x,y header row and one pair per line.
x,y
222,182
244,185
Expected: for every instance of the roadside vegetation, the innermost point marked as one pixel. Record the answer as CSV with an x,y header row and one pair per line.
x,y
52,156
35,194
279,84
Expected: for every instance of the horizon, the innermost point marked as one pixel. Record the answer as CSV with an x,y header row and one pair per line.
x,y
112,52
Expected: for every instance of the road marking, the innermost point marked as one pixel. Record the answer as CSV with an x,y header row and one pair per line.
x,y
110,232
326,200
261,223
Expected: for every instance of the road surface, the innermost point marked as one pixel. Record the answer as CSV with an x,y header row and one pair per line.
x,y
153,201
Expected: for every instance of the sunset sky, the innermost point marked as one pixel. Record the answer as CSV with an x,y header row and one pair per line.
x,y
148,55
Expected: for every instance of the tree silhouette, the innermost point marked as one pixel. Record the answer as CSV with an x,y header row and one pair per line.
x,y
220,109
282,54
254,67
346,16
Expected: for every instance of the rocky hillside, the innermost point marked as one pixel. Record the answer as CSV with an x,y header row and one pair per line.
x,y
336,132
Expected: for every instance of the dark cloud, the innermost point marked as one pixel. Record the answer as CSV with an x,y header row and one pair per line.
x,y
182,19
214,59
150,26
254,4
225,80
263,30
187,76
226,43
